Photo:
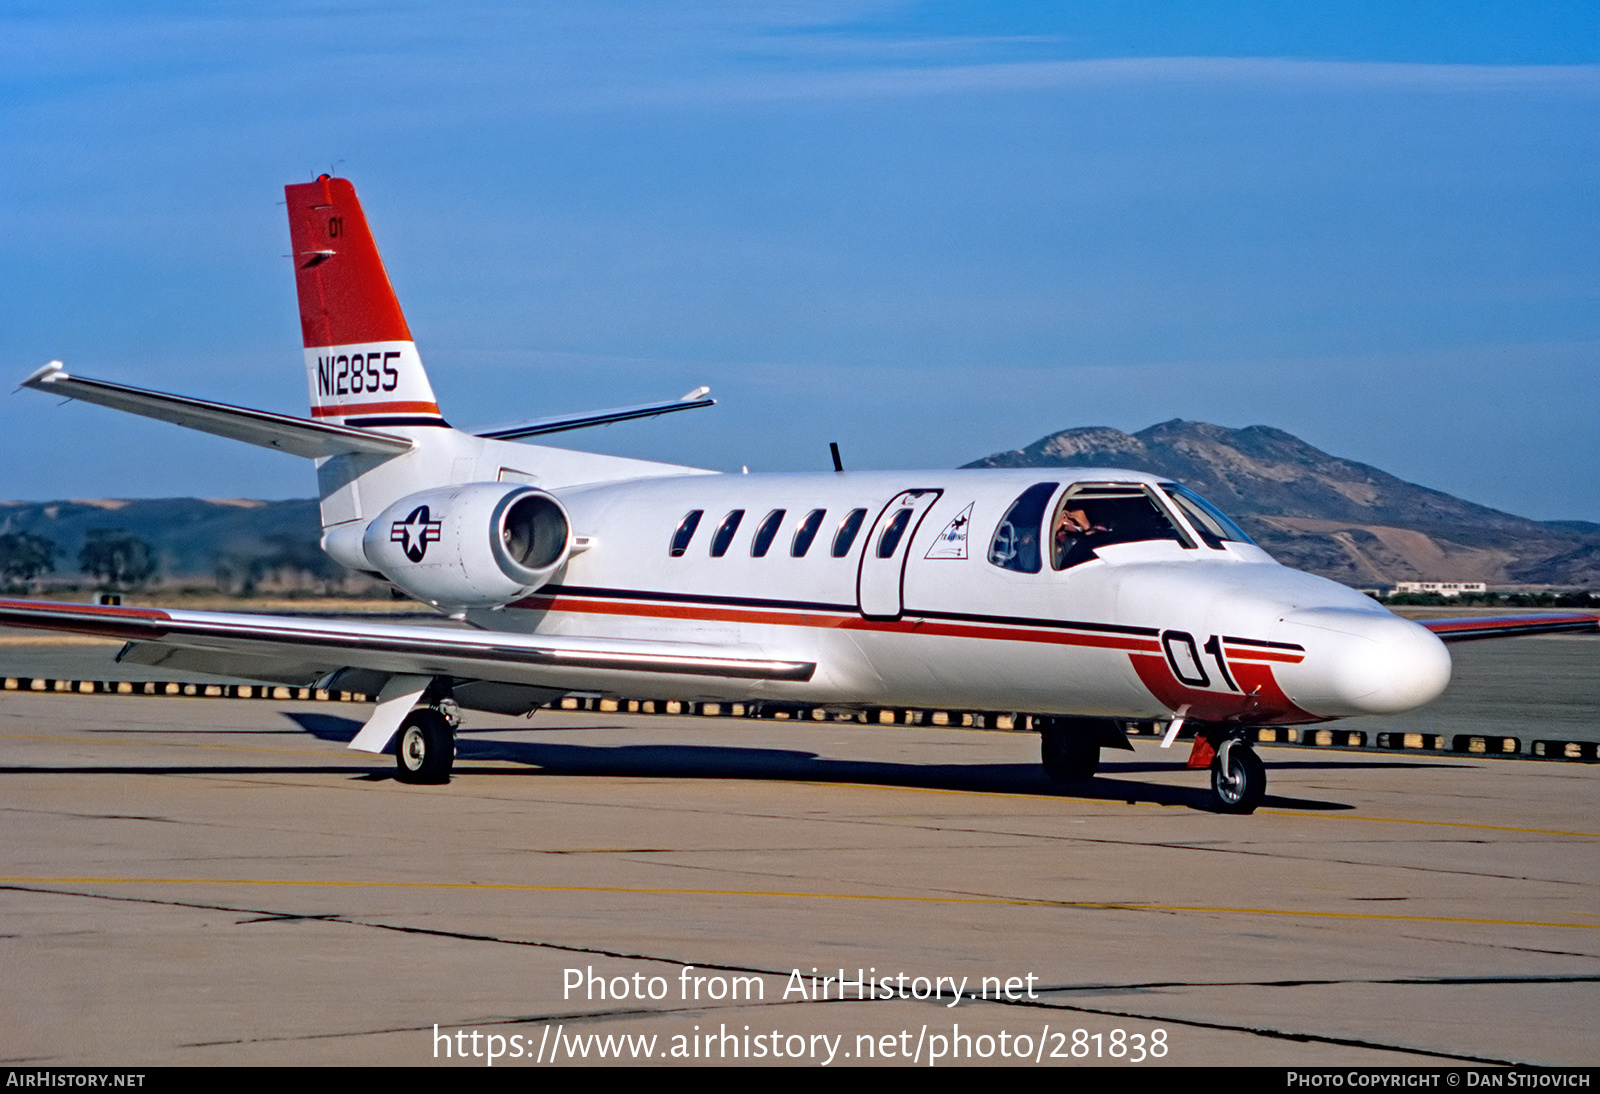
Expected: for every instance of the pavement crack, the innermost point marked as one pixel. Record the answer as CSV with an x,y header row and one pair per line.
x,y
1154,985
270,914
1263,1031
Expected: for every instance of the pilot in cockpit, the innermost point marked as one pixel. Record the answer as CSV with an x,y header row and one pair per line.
x,y
1072,536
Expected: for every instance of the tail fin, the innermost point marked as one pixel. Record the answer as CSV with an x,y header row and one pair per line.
x,y
361,364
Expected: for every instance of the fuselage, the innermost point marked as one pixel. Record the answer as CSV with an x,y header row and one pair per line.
x,y
931,589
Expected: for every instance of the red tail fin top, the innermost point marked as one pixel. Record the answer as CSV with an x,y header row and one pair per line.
x,y
345,295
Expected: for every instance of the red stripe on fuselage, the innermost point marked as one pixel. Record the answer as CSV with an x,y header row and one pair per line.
x,y
1237,654
803,618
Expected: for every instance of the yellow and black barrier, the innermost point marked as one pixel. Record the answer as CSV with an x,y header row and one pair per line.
x,y
1461,744
172,689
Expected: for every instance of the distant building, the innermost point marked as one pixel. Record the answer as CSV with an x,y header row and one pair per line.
x,y
1442,588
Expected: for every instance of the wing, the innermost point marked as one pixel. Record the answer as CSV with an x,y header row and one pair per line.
x,y
1508,626
400,661
538,660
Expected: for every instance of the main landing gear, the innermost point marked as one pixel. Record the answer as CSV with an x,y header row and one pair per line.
x,y
425,749
1238,777
1069,748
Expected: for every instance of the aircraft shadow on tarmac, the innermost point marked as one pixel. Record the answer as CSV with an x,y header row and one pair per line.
x,y
672,761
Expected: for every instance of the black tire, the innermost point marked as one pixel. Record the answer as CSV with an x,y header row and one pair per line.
x,y
425,750
1068,757
1241,789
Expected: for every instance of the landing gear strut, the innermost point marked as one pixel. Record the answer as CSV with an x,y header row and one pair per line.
x,y
426,748
1238,778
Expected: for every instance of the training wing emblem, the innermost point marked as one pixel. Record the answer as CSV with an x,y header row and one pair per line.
x,y
952,541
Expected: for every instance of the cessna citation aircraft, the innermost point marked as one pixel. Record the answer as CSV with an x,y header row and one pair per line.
x,y
1080,597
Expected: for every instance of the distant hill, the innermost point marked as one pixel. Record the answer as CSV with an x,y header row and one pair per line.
x,y
192,538
1332,516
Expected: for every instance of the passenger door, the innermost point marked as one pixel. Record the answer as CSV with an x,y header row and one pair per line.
x,y
883,558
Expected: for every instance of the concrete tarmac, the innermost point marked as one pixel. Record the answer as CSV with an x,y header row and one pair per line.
x,y
191,881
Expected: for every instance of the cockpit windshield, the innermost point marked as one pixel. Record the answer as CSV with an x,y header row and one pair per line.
x,y
1207,519
1094,515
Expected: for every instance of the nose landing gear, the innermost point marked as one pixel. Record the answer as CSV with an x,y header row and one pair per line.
x,y
1238,777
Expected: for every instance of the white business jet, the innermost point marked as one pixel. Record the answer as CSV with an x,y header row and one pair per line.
x,y
1076,597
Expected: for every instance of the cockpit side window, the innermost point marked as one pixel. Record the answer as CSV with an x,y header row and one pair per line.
x,y
1207,519
1095,515
1015,545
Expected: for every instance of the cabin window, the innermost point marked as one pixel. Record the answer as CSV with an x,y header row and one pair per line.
x,y
724,533
1095,515
1016,541
765,533
807,532
845,537
685,532
892,534
1206,518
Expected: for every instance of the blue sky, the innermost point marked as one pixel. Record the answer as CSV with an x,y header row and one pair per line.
x,y
927,231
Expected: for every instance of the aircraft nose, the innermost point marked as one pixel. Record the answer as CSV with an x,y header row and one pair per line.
x,y
1360,662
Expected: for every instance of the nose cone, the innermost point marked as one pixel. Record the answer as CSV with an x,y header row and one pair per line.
x,y
1363,662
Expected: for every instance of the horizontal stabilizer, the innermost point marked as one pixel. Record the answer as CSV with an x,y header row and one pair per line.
x,y
1508,626
296,436
536,659
700,396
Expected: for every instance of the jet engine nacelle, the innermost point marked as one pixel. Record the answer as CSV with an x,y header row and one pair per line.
x,y
474,546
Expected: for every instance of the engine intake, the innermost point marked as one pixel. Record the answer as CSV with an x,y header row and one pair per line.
x,y
474,546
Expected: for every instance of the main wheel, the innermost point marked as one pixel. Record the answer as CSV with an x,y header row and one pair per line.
x,y
1240,788
1068,757
426,750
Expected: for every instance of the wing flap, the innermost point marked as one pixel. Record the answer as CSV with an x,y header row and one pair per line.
x,y
291,669
550,660
296,436
1508,626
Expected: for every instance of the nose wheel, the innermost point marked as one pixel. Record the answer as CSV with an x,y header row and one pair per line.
x,y
426,750
1238,777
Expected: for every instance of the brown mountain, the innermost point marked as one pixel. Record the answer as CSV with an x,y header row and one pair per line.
x,y
1332,516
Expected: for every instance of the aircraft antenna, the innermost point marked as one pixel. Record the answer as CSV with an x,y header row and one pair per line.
x,y
838,464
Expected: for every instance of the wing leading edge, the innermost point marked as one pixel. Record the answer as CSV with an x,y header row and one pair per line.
x,y
1508,626
296,436
539,660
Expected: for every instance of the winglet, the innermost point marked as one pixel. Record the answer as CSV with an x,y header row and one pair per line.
x,y
41,378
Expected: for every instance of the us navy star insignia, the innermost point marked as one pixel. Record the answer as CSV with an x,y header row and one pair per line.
x,y
415,533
